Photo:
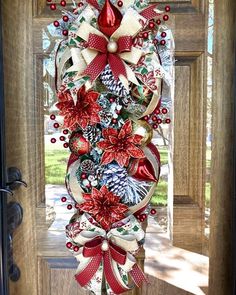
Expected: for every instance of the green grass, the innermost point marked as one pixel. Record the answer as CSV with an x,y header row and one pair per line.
x,y
164,155
159,197
55,166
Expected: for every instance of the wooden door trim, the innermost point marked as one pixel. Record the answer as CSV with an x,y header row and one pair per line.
x,y
221,280
3,180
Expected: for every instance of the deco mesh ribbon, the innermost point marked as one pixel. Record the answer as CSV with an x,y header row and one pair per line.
x,y
114,72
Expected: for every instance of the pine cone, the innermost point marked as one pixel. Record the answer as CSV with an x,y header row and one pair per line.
x,y
87,165
92,134
115,86
115,177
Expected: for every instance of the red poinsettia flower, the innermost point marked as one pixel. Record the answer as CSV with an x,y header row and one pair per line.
x,y
120,145
84,112
104,206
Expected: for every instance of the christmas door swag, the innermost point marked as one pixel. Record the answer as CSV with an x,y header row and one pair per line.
x,y
113,75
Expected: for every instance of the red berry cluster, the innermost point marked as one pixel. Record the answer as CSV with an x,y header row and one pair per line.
x,y
143,216
158,117
56,125
70,206
163,34
69,245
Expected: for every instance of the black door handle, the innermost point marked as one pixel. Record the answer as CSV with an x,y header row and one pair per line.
x,y
14,178
14,219
7,191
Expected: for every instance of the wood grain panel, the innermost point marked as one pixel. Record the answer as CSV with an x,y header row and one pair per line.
x,y
189,128
181,130
56,277
197,145
159,287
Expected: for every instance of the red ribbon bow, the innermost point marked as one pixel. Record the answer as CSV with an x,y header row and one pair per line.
x,y
105,57
96,251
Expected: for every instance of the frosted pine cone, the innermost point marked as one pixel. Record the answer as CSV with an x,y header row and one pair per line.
x,y
115,177
115,86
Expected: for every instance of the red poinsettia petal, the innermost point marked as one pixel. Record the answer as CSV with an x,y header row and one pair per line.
x,y
127,161
113,199
83,122
86,196
104,144
104,190
109,132
94,119
136,138
105,223
87,206
127,127
135,152
122,134
96,194
107,158
122,158
92,95
119,208
113,139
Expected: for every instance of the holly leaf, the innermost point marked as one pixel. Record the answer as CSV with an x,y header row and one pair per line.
x,y
144,71
135,228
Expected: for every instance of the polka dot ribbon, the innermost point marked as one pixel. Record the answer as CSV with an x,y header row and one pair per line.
x,y
149,12
104,57
113,252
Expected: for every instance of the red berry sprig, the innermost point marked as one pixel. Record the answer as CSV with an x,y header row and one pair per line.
x,y
158,117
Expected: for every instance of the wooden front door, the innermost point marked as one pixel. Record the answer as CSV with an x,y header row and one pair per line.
x,y
47,268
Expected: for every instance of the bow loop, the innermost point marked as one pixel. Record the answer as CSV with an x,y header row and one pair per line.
x,y
124,44
97,42
93,248
117,253
117,65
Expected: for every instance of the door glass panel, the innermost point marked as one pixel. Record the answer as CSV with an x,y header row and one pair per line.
x,y
55,141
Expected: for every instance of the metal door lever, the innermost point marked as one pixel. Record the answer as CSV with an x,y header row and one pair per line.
x,y
21,182
7,191
14,219
15,178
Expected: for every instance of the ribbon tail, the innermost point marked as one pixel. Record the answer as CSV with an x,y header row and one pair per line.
x,y
85,276
138,275
117,66
111,278
96,66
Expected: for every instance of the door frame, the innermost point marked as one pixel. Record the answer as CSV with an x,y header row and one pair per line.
x,y
3,196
